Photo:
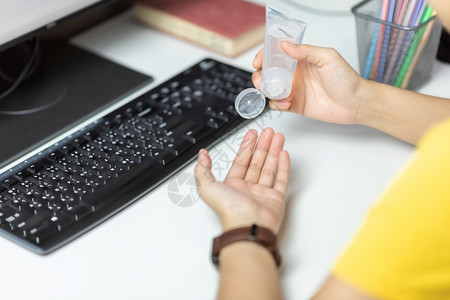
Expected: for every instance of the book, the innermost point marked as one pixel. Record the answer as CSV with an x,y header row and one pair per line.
x,y
228,27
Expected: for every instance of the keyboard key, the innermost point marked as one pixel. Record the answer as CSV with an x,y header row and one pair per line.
x,y
195,135
222,116
7,212
163,157
62,220
35,167
37,218
18,220
177,147
41,232
212,123
94,203
22,175
9,182
78,211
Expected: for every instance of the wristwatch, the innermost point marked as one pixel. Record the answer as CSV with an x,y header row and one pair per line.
x,y
257,234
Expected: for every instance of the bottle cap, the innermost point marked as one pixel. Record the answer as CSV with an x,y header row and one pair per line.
x,y
250,103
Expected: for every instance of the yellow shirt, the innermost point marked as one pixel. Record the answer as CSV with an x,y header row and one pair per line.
x,y
402,251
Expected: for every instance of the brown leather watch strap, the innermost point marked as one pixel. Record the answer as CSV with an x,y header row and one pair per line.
x,y
254,233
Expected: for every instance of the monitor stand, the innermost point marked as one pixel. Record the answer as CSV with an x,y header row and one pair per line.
x,y
72,86
40,93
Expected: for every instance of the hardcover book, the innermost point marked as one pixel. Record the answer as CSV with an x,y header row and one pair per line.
x,y
225,26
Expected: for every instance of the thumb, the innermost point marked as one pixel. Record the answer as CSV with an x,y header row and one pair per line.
x,y
203,174
318,56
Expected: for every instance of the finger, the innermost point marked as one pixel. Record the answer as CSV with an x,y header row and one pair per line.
x,y
257,61
259,156
282,180
318,56
240,164
283,105
269,170
203,174
256,78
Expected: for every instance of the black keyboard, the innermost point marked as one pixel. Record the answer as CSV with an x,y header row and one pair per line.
x,y
63,191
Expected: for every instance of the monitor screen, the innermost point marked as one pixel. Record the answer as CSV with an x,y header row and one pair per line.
x,y
20,19
47,85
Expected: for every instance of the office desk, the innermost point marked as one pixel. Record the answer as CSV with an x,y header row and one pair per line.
x,y
155,249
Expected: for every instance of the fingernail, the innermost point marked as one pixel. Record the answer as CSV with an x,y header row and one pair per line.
x,y
289,44
283,104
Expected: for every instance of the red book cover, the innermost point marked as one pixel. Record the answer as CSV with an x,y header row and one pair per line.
x,y
226,26
229,18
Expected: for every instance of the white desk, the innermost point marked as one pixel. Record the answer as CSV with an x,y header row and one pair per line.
x,y
157,250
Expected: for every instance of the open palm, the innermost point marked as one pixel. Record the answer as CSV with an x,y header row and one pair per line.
x,y
255,187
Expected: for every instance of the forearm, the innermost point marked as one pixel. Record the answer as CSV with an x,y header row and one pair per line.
x,y
443,10
400,113
248,271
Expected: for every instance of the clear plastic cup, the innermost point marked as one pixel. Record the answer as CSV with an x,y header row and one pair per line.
x,y
278,68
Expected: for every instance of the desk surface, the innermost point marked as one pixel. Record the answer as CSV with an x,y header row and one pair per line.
x,y
155,249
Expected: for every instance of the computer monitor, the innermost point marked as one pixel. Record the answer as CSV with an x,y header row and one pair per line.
x,y
46,87
23,19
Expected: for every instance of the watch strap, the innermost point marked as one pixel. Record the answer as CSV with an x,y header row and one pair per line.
x,y
257,234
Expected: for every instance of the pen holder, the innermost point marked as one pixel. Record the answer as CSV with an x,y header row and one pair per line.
x,y
394,54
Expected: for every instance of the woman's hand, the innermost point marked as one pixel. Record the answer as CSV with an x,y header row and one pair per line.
x,y
255,187
324,87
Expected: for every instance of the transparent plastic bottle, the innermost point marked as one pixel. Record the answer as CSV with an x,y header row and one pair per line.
x,y
278,68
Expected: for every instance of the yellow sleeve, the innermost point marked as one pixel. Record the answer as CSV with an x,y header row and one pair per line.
x,y
402,251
